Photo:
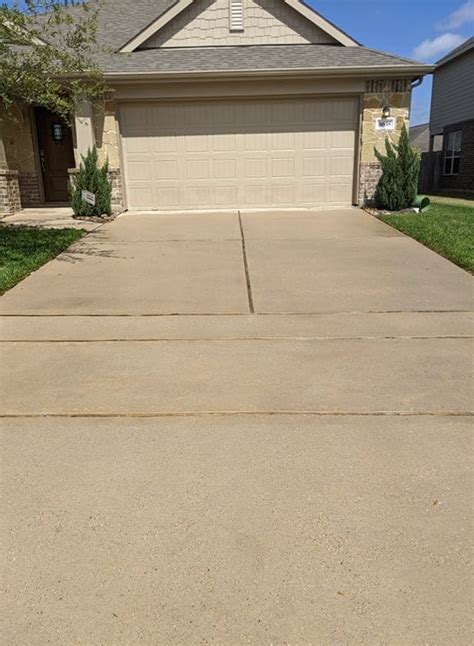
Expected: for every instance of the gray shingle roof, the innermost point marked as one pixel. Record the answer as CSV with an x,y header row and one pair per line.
x,y
250,57
120,20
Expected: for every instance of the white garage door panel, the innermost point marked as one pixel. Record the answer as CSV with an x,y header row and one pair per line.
x,y
223,154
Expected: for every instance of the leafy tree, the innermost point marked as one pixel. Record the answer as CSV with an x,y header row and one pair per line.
x,y
47,50
91,177
397,186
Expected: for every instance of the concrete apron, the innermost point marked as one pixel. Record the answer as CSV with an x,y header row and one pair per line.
x,y
232,477
258,530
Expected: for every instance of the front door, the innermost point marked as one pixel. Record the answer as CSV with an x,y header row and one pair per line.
x,y
56,154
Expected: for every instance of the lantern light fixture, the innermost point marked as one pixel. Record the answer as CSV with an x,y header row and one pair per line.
x,y
385,112
57,132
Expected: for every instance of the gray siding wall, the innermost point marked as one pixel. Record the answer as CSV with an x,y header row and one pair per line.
x,y
453,93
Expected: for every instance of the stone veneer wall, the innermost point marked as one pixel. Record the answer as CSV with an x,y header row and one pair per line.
x,y
395,94
107,141
9,192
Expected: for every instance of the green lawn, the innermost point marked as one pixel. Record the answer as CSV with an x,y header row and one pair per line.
x,y
24,249
445,227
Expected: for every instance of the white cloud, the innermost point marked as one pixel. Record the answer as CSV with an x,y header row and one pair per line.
x,y
460,17
430,50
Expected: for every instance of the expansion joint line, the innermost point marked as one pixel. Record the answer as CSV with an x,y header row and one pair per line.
x,y
246,266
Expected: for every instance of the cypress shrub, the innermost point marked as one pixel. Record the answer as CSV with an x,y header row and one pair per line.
x,y
409,162
397,186
93,178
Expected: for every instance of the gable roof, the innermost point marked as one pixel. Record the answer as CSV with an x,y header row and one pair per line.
x,y
176,7
120,20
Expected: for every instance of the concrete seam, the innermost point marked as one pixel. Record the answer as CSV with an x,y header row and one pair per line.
x,y
210,314
246,266
259,413
244,338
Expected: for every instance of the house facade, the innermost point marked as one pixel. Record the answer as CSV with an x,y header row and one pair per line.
x,y
218,104
452,120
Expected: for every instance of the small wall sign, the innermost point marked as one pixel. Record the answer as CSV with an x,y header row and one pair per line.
x,y
386,124
88,197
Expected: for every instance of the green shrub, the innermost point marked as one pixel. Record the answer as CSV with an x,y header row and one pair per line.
x,y
93,178
409,162
397,186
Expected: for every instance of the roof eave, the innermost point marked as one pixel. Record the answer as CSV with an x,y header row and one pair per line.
x,y
373,71
462,49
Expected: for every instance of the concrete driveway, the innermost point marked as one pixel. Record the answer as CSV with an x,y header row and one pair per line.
x,y
238,428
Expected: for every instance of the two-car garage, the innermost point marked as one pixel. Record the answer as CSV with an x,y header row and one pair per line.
x,y
249,153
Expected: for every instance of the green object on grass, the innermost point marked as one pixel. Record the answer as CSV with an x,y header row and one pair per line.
x,y
421,202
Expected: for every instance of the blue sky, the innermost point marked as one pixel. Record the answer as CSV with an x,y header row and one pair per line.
x,y
421,29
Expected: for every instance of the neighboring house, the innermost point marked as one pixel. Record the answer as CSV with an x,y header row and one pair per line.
x,y
420,137
221,104
452,119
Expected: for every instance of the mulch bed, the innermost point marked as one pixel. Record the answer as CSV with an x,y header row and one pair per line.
x,y
100,219
377,212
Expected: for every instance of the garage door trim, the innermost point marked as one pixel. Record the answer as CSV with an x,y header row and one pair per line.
x,y
266,100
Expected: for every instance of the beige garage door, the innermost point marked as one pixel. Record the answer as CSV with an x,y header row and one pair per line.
x,y
239,154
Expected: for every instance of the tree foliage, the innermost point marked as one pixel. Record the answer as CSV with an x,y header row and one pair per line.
x,y
47,50
397,186
91,177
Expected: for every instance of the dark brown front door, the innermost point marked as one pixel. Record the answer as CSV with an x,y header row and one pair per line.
x,y
56,154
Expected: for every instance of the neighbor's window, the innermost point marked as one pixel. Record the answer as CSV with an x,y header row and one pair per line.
x,y
452,153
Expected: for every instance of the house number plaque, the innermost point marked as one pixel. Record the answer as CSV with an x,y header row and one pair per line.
x,y
386,124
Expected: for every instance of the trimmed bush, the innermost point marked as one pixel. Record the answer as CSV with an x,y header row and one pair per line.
x,y
91,177
397,187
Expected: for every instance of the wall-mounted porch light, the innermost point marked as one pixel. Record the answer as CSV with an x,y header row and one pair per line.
x,y
57,132
385,112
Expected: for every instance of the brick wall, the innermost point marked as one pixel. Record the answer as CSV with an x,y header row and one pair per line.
x,y
464,182
29,189
370,173
9,192
117,192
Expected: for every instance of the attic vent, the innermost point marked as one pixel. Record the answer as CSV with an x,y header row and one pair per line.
x,y
236,15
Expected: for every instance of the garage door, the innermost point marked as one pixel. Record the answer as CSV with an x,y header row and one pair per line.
x,y
239,154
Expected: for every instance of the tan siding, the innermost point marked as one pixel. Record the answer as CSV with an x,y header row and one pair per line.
x,y
206,22
453,93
